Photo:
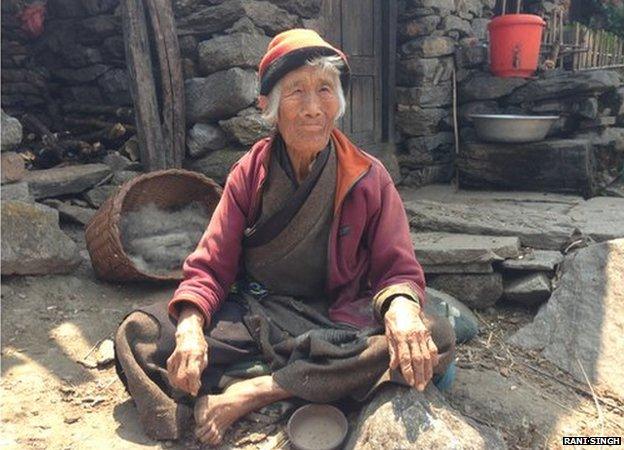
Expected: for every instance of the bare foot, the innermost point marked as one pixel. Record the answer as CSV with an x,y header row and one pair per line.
x,y
214,414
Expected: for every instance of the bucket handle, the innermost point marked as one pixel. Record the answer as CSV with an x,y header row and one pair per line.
x,y
518,6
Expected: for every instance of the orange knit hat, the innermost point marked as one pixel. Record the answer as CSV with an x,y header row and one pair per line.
x,y
290,50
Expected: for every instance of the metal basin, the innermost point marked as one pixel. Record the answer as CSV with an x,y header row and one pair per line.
x,y
512,128
317,427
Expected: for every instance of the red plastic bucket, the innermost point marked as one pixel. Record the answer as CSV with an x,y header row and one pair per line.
x,y
515,44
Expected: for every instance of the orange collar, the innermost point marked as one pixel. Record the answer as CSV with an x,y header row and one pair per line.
x,y
352,164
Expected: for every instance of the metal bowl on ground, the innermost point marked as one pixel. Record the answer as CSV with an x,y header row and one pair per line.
x,y
512,128
317,427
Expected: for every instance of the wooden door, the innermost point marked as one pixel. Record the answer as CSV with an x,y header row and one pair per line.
x,y
361,28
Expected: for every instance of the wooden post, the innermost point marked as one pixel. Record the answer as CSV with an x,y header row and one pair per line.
x,y
142,86
172,80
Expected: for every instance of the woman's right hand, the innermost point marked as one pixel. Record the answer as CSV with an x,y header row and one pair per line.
x,y
190,357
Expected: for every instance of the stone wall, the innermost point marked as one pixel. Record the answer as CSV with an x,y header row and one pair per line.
x,y
433,38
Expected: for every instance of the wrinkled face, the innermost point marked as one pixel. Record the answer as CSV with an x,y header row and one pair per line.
x,y
308,107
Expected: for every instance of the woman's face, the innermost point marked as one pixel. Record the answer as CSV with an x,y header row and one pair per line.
x,y
308,107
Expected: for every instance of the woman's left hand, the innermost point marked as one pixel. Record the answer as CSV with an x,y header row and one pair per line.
x,y
410,343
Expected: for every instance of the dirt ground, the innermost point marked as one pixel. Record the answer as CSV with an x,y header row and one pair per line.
x,y
50,401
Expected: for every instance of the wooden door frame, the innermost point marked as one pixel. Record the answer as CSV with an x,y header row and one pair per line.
x,y
389,11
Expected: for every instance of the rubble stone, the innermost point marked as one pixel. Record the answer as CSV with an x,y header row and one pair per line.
x,y
203,138
33,243
527,290
11,130
477,291
245,128
216,164
219,95
429,46
239,49
13,168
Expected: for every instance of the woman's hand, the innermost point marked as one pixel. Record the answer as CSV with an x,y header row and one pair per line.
x,y
410,343
190,357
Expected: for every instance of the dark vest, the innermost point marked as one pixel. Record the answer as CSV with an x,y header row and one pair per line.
x,y
295,262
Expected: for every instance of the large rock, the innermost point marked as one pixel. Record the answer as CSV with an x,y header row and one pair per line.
x,y
269,17
246,128
429,47
454,23
224,52
426,96
436,248
535,260
483,86
601,218
212,19
583,322
33,243
536,228
17,191
572,84
438,5
215,165
477,291
65,180
434,148
402,418
303,8
12,167
464,322
421,71
83,75
11,130
509,405
219,95
203,138
417,121
527,290
414,28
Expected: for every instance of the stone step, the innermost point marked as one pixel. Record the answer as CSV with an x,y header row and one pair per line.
x,y
440,252
537,228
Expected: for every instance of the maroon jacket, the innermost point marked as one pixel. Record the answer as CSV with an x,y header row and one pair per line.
x,y
370,254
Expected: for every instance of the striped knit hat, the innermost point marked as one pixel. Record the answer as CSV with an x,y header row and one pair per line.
x,y
290,50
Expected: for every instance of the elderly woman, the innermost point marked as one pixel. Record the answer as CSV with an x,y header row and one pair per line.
x,y
305,282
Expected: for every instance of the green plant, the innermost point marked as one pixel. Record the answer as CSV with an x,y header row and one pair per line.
x,y
606,14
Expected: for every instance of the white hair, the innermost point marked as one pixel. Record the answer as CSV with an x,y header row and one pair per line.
x,y
329,64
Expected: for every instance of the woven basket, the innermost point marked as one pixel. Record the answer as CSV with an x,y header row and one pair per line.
x,y
167,189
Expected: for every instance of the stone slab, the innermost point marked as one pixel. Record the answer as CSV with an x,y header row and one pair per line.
x,y
458,268
437,248
33,243
71,212
98,195
65,180
535,228
583,321
535,260
527,290
403,418
477,291
601,218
